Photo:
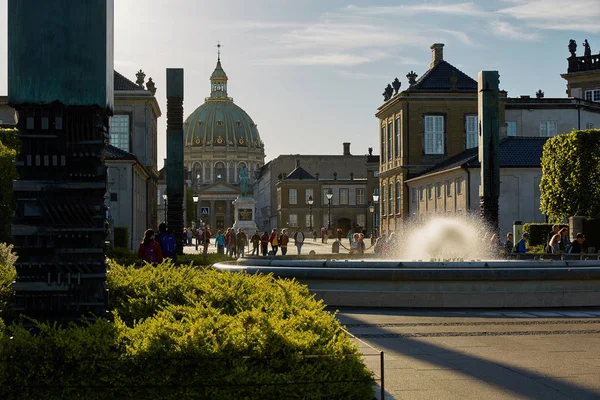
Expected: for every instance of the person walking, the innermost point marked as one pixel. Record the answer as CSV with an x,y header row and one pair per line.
x,y
284,239
522,245
149,250
220,242
299,239
229,239
509,244
241,242
264,244
255,241
274,239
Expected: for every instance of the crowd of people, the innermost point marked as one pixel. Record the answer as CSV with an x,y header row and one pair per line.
x,y
557,242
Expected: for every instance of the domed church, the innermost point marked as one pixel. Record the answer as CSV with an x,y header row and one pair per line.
x,y
219,139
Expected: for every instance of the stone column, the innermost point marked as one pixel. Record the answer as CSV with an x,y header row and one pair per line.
x,y
228,219
213,215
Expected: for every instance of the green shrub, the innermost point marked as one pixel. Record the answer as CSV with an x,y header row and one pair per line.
x,y
9,147
121,236
539,233
183,332
123,256
198,259
7,275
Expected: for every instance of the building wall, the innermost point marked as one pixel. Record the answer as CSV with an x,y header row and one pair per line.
x,y
579,82
528,119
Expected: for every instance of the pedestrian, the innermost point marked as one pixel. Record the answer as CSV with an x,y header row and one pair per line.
x,y
350,237
255,241
381,246
220,242
229,239
149,250
299,239
551,235
509,244
184,237
577,245
283,241
274,240
314,233
241,242
264,244
522,245
190,234
322,234
554,243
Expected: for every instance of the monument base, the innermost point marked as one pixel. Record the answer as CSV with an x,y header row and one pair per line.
x,y
245,208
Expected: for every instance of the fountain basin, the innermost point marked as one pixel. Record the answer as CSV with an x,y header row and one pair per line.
x,y
466,284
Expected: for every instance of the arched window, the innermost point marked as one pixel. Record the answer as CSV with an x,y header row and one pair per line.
x,y
197,173
398,206
220,172
391,200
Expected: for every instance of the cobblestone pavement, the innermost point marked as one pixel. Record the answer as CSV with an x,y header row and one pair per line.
x,y
487,354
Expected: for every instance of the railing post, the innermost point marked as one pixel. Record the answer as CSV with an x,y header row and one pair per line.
x,y
382,376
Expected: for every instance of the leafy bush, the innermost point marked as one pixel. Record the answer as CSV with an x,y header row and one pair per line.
x,y
539,233
9,146
198,259
123,256
570,183
182,332
121,236
7,275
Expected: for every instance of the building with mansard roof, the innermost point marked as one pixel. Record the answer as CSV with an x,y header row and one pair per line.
x,y
220,138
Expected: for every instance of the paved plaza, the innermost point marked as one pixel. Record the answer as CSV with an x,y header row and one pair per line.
x,y
507,354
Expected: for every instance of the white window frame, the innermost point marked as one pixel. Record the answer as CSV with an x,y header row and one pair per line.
x,y
293,220
511,128
471,131
397,131
391,189
433,135
548,128
421,193
361,220
293,196
429,192
309,220
383,138
390,141
344,196
398,193
448,185
438,190
308,193
459,186
360,196
592,95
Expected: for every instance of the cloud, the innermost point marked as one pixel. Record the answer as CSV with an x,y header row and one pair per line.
x,y
316,59
507,30
462,9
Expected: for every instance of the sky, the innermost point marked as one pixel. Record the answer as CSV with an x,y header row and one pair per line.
x,y
310,73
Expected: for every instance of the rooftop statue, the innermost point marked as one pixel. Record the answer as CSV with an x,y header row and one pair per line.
x,y
587,52
396,84
572,47
389,91
385,95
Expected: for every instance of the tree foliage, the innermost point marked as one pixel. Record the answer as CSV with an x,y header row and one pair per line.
x,y
9,146
570,183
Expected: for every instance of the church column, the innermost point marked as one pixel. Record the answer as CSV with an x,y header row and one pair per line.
x,y
228,220
213,215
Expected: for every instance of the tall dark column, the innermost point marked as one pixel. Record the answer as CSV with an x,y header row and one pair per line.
x,y
489,139
175,169
60,82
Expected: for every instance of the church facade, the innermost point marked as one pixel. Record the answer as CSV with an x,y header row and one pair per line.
x,y
220,139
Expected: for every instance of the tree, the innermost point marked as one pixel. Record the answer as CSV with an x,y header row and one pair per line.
x,y
570,183
9,146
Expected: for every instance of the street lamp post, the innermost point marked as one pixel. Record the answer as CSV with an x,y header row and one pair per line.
x,y
375,203
372,211
195,198
310,203
329,196
164,196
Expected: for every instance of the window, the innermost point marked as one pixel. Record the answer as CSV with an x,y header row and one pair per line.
x,y
293,221
413,195
448,185
511,128
391,200
589,125
293,196
344,196
434,134
438,190
308,193
383,200
360,196
429,192
308,222
119,131
421,193
219,172
592,95
397,149
360,220
382,144
471,131
548,128
398,197
459,186
390,141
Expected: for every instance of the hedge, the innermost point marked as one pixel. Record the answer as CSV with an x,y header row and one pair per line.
x,y
121,236
539,233
181,332
9,146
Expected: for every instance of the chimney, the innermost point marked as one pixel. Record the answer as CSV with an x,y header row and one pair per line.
x,y
437,54
347,149
297,163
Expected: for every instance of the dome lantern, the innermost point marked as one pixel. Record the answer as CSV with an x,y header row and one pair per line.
x,y
218,79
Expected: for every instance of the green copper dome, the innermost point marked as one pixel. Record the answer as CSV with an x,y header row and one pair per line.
x,y
219,122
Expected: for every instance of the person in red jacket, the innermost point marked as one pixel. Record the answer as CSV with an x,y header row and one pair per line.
x,y
264,244
149,250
